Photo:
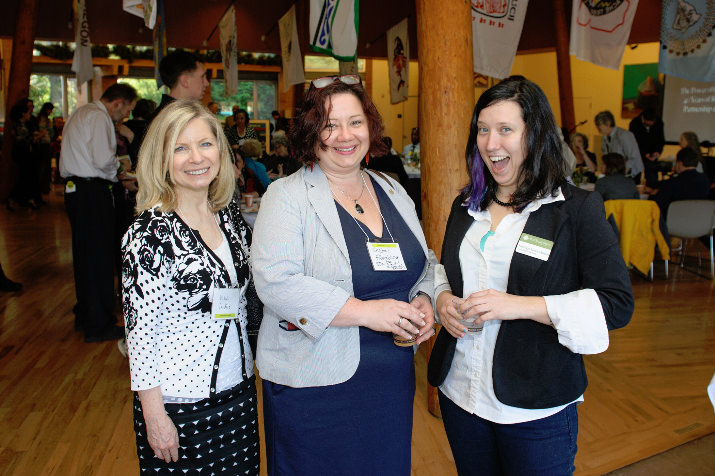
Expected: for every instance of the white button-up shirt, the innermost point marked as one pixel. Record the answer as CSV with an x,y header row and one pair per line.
x,y
89,144
485,258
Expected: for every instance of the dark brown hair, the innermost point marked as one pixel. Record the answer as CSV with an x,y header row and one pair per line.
x,y
615,164
314,114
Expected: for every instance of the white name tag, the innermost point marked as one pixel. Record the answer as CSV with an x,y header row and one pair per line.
x,y
386,257
225,303
534,246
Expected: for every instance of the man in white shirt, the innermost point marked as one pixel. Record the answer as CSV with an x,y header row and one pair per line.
x,y
412,150
88,160
621,142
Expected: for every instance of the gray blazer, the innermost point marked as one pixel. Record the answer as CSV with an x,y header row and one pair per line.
x,y
302,273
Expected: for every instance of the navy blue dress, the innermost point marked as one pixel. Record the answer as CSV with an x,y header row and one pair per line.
x,y
362,426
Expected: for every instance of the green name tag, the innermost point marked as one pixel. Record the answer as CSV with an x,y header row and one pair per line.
x,y
534,246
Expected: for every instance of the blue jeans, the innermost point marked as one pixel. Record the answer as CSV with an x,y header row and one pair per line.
x,y
540,447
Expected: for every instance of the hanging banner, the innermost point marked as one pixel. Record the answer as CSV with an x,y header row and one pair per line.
x,y
398,61
496,29
229,53
687,45
290,50
600,30
145,9
334,28
82,61
159,40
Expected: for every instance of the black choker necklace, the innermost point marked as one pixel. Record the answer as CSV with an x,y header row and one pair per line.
x,y
503,204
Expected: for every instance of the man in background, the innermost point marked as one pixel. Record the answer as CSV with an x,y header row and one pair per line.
x,y
412,151
647,128
88,160
689,184
184,74
621,142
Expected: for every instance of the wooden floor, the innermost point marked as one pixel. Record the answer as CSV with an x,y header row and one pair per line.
x,y
65,405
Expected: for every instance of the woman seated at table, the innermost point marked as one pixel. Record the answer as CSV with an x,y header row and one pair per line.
x,y
250,151
239,131
188,297
690,140
585,159
341,265
615,185
532,278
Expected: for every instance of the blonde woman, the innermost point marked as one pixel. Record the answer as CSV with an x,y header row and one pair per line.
x,y
188,296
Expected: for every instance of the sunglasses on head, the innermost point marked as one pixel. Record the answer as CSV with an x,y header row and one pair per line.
x,y
349,79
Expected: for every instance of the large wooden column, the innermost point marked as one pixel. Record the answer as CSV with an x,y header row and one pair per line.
x,y
19,82
446,100
563,65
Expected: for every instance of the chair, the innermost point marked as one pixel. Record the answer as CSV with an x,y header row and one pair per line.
x,y
639,233
692,219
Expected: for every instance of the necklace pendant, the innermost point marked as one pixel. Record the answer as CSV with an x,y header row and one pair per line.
x,y
358,208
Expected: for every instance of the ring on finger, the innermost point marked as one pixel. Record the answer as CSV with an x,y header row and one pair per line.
x,y
399,322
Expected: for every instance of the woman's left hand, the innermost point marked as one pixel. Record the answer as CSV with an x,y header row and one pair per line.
x,y
491,304
423,303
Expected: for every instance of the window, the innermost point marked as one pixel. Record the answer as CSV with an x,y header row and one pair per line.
x,y
258,97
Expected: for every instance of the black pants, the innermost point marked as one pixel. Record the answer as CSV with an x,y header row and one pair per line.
x,y
90,209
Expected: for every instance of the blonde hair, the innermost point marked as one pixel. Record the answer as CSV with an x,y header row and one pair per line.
x,y
155,171
251,148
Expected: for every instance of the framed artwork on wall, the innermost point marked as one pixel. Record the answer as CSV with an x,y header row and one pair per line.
x,y
642,89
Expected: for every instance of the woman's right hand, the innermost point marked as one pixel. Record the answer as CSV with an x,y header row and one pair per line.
x,y
449,315
382,315
160,430
163,437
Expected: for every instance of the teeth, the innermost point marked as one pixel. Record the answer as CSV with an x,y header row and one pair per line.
x,y
197,172
497,158
347,149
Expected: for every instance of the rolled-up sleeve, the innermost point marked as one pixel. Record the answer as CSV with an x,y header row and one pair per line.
x,y
278,262
579,321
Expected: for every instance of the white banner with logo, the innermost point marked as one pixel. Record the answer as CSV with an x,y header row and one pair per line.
x,y
145,9
687,44
290,50
600,30
334,28
398,61
496,30
229,53
82,61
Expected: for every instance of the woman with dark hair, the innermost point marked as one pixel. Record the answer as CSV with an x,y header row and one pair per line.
x,y
24,190
345,275
585,159
43,150
531,278
240,131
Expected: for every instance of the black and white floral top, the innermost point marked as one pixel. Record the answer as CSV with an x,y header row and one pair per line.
x,y
168,278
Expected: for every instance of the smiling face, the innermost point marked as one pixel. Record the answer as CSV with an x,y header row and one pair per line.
x,y
346,135
196,158
501,143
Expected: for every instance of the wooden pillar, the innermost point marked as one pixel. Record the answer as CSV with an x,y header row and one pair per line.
x,y
19,81
563,64
446,100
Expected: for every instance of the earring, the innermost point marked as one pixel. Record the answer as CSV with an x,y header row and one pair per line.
x,y
367,159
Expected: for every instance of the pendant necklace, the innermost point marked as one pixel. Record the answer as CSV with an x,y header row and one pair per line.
x,y
358,207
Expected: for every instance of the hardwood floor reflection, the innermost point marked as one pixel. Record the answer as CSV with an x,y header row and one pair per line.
x,y
65,406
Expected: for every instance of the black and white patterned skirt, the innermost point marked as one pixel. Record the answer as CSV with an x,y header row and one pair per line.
x,y
217,435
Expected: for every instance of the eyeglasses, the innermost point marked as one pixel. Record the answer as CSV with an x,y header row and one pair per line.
x,y
348,79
